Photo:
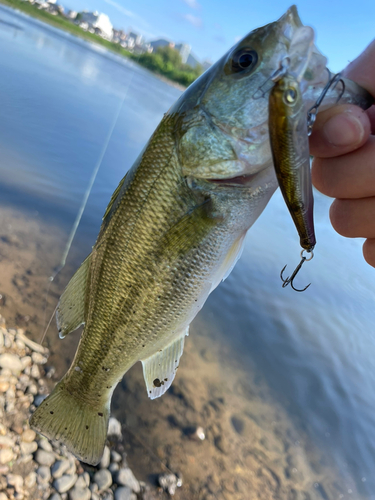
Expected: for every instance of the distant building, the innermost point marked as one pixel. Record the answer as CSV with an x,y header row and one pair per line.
x,y
184,50
100,23
72,14
193,61
162,42
206,64
137,39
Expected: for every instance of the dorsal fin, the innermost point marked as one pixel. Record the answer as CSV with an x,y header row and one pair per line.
x,y
70,313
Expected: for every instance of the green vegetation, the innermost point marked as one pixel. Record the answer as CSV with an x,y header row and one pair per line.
x,y
165,61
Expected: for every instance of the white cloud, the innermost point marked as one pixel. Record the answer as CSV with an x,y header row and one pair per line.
x,y
194,20
193,4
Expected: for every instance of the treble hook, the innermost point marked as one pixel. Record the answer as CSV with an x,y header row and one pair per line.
x,y
312,112
290,280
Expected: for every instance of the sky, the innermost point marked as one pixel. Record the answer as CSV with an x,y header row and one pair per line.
x,y
342,28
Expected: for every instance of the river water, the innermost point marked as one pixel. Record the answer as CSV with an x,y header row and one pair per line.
x,y
283,383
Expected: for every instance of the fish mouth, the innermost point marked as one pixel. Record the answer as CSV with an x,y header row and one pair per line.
x,y
266,175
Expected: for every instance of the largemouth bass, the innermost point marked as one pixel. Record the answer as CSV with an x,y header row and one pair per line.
x,y
172,231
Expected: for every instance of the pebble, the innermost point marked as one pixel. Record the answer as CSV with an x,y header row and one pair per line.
x,y
125,477
113,467
103,478
45,445
25,362
86,477
114,428
35,372
106,458
16,481
79,494
12,362
4,385
28,436
44,474
28,448
59,468
64,483
38,358
124,493
32,389
6,442
38,400
94,496
169,483
30,480
1,340
44,457
3,496
55,496
115,457
6,455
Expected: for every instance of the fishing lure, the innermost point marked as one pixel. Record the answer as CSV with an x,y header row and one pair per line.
x,y
288,129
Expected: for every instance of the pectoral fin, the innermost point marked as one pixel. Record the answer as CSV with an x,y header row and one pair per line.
x,y
70,313
160,369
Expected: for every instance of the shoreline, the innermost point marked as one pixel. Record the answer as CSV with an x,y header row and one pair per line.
x,y
86,37
30,466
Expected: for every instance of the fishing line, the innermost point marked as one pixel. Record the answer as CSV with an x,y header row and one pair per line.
x,y
84,202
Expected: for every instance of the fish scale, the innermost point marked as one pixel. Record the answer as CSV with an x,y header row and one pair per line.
x,y
174,229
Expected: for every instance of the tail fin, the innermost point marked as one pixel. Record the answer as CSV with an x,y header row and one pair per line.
x,y
64,418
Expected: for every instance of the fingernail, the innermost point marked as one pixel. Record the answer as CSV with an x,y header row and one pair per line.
x,y
344,129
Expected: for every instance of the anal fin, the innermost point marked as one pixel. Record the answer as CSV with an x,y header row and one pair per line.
x,y
160,369
70,313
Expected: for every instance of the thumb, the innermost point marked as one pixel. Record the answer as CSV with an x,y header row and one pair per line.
x,y
343,128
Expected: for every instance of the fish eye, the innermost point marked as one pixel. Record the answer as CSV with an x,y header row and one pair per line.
x,y
244,59
290,95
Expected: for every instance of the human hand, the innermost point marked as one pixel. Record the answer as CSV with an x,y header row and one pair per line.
x,y
343,146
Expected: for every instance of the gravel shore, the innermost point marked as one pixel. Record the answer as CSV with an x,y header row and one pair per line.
x,y
30,467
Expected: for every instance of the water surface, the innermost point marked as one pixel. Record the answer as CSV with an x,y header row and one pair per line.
x,y
282,382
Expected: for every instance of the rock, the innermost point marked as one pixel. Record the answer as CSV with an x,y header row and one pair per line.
x,y
28,436
6,455
3,496
169,482
38,358
43,474
113,467
125,477
45,445
1,339
32,389
6,442
93,487
115,457
64,483
80,483
30,480
79,494
124,493
103,478
28,448
20,344
35,372
25,362
59,468
94,496
4,385
12,362
86,477
114,428
38,400
15,481
106,458
55,496
107,495
43,457
72,467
